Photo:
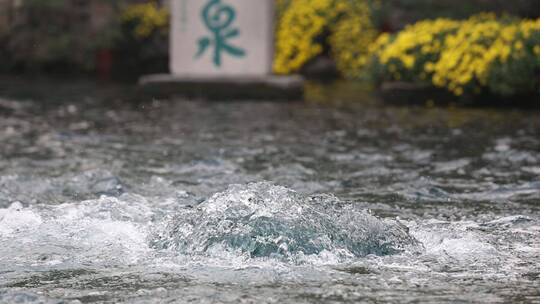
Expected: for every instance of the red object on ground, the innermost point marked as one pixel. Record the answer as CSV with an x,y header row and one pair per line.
x,y
104,61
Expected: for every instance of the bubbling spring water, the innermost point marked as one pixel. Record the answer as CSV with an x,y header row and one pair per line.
x,y
105,201
264,220
257,220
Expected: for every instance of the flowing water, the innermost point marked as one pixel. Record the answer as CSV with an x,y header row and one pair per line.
x,y
175,201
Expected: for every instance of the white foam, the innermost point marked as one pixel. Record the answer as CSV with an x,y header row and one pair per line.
x,y
16,219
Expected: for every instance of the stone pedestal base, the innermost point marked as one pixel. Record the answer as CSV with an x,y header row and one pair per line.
x,y
224,88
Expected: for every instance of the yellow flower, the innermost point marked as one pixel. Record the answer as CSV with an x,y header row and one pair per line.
x,y
302,24
147,16
457,55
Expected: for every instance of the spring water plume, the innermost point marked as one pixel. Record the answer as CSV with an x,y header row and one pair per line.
x,y
265,220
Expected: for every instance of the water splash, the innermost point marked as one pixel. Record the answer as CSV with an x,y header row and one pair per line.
x,y
106,230
264,220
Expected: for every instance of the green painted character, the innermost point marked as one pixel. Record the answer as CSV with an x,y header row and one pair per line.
x,y
218,18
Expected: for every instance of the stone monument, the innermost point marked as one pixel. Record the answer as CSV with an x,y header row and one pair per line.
x,y
224,48
222,37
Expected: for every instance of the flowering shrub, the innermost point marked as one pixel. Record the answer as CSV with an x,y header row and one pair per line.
x,y
480,54
351,36
144,44
306,27
146,17
404,56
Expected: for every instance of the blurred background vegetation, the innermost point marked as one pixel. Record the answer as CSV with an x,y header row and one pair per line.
x,y
81,37
374,40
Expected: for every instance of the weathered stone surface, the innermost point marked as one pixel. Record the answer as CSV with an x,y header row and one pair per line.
x,y
225,88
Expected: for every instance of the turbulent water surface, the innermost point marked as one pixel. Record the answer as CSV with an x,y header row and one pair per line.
x,y
103,200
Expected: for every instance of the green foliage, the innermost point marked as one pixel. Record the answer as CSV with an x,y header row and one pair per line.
x,y
60,36
144,44
44,37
